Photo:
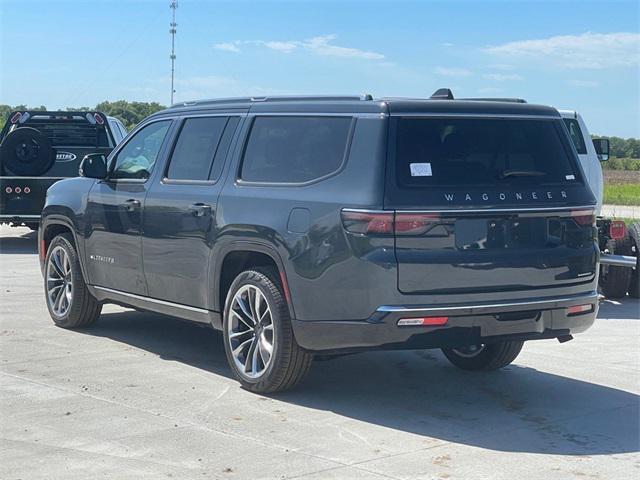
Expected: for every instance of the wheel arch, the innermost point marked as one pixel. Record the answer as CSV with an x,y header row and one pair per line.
x,y
51,227
238,256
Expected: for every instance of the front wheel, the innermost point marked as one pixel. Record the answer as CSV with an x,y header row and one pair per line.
x,y
70,303
258,338
484,356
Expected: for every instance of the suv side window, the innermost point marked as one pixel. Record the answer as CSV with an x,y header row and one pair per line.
x,y
194,152
137,158
576,135
294,149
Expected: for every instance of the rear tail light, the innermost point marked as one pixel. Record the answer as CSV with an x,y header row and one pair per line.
x,y
423,321
580,309
17,190
584,217
617,229
16,116
365,222
26,190
99,119
8,190
413,223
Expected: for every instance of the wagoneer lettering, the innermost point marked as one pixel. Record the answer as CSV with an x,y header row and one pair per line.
x,y
300,226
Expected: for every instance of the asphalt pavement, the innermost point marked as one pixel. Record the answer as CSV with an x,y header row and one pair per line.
x,y
142,395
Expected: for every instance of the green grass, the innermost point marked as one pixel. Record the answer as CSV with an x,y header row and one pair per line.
x,y
626,194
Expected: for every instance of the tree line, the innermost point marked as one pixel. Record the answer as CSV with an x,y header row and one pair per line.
x,y
132,113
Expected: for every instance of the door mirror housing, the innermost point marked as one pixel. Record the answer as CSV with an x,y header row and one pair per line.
x,y
602,148
93,165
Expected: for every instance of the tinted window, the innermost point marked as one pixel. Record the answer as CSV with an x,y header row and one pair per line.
x,y
294,149
139,155
576,135
197,143
472,152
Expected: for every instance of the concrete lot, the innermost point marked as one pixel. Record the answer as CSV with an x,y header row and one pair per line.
x,y
146,396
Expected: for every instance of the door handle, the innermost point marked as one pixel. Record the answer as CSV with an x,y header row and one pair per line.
x,y
131,205
200,209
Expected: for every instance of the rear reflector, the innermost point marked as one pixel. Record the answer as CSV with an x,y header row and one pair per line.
x,y
367,222
617,229
424,321
579,309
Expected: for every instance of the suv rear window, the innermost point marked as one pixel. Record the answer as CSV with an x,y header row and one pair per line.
x,y
294,149
481,152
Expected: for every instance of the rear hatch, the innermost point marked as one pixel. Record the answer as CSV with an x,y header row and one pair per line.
x,y
493,203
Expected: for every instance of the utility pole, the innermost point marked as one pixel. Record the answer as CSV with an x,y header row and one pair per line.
x,y
172,31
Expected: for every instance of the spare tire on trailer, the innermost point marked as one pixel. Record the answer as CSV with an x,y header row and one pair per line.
x,y
634,286
614,280
26,152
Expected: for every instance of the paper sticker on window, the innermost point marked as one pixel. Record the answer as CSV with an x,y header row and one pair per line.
x,y
570,177
420,169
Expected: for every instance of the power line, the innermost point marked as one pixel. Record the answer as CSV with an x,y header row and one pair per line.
x,y
172,31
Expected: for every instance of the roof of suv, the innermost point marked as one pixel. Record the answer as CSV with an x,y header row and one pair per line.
x,y
362,104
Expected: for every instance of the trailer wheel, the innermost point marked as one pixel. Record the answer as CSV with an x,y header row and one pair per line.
x,y
634,285
614,280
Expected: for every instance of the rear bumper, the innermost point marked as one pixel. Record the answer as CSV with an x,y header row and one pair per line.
x,y
22,198
467,324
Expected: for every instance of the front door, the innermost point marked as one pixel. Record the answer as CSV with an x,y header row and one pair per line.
x,y
114,213
180,212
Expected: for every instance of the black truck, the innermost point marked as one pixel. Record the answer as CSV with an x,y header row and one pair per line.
x,y
38,148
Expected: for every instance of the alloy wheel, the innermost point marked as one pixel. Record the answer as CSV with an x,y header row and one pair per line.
x,y
59,282
250,333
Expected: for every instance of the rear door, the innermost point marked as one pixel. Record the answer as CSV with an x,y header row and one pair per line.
x,y
487,204
180,211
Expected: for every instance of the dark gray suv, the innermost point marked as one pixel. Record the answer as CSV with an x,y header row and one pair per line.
x,y
306,225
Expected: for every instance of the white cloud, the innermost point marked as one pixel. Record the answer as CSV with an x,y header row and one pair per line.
x,y
501,77
584,83
321,45
452,72
227,47
588,50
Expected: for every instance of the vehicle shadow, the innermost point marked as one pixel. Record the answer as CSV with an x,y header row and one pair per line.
x,y
625,308
517,409
21,243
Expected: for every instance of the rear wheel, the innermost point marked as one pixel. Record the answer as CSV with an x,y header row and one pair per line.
x,y
614,281
258,338
484,356
69,302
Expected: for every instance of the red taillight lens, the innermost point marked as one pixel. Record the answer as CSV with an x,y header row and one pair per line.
x,y
367,222
584,217
617,229
413,223
579,309
16,116
99,119
8,190
423,321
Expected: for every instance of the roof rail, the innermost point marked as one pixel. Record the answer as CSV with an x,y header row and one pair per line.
x,y
509,100
275,98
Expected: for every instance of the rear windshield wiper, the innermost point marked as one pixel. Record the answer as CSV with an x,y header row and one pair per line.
x,y
521,173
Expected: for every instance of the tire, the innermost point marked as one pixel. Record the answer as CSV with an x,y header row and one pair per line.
x,y
26,152
82,309
488,357
614,281
287,363
634,285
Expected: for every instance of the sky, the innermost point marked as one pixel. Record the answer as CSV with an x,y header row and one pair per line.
x,y
579,55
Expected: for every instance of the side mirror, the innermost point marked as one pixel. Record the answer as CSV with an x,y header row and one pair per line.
x,y
93,165
602,148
